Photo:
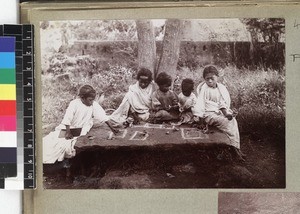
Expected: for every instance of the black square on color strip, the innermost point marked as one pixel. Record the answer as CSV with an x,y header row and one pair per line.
x,y
19,46
19,61
19,68
8,170
1,30
18,53
2,183
13,29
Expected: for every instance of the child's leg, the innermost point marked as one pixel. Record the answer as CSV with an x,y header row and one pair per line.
x,y
56,149
230,127
164,115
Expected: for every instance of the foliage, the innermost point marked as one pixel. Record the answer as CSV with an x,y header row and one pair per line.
x,y
270,32
110,66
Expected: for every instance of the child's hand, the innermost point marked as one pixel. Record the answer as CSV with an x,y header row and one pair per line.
x,y
174,108
115,131
229,116
181,109
136,119
68,135
168,108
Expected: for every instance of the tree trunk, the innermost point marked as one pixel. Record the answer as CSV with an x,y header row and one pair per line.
x,y
171,47
146,46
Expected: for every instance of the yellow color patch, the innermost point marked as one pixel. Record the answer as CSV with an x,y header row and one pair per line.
x,y
7,92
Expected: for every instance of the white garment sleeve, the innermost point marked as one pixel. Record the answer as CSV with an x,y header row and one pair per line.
x,y
222,103
69,114
99,113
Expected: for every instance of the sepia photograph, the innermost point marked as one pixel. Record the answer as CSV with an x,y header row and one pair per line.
x,y
163,103
259,202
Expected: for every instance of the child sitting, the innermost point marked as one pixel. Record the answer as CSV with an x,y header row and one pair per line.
x,y
164,101
79,114
137,101
187,101
213,106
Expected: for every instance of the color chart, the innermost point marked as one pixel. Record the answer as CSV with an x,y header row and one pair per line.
x,y
8,112
23,110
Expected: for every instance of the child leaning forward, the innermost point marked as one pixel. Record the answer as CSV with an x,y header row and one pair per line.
x,y
164,100
79,114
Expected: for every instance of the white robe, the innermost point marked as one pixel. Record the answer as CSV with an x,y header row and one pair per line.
x,y
208,105
77,115
137,100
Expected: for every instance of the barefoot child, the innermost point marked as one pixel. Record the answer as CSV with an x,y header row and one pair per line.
x,y
187,101
213,106
137,101
164,101
79,115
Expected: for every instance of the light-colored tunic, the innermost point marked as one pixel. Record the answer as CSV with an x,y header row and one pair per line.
x,y
136,100
78,115
208,105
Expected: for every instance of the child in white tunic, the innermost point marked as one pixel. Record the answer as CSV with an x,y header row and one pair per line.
x,y
79,114
213,106
137,101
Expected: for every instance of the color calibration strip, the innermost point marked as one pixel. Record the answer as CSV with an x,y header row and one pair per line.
x,y
8,112
24,50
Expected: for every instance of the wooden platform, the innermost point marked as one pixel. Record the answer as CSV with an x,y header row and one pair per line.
x,y
148,135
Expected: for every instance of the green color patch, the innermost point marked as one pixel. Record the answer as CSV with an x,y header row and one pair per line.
x,y
7,76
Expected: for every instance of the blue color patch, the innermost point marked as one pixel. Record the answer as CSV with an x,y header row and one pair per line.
x,y
7,60
7,44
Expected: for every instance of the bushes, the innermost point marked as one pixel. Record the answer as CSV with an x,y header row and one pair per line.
x,y
258,95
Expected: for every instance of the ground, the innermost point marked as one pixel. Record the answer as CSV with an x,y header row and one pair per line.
x,y
186,166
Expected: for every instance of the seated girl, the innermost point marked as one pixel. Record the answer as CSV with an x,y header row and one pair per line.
x,y
79,115
164,101
137,101
187,101
213,106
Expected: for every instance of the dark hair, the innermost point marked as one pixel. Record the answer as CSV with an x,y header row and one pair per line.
x,y
144,72
87,91
187,84
210,69
163,79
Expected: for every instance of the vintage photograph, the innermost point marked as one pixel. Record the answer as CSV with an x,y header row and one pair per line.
x,y
163,103
259,202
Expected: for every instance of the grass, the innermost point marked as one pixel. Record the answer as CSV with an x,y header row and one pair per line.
x,y
258,95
